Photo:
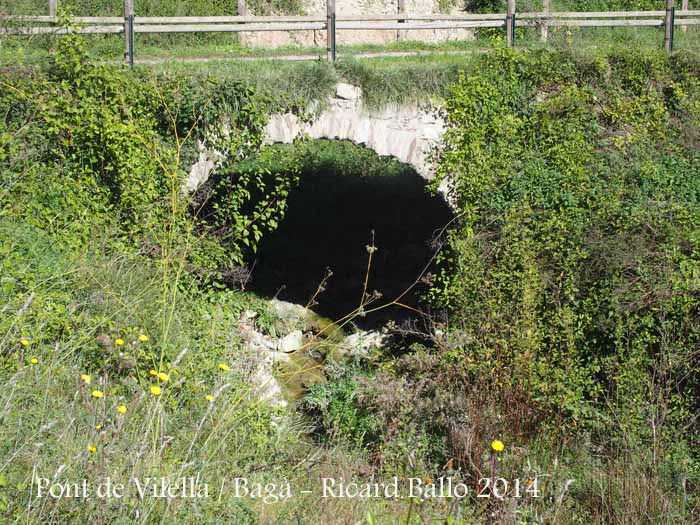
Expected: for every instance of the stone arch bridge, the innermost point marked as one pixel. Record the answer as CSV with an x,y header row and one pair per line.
x,y
407,132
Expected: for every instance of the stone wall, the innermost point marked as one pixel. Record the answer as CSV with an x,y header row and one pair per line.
x,y
272,39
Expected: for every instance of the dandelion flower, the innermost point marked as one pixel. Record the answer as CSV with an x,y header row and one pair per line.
x,y
98,427
163,376
91,449
143,338
121,409
497,445
209,397
152,372
98,394
34,361
85,378
119,341
24,342
155,390
223,367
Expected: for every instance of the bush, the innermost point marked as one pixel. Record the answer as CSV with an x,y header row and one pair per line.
x,y
579,200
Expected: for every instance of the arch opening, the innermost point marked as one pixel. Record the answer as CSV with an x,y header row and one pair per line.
x,y
349,200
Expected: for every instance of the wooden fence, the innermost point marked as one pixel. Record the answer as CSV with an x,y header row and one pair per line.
x,y
130,24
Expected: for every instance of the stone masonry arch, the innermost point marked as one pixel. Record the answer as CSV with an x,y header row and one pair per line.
x,y
407,133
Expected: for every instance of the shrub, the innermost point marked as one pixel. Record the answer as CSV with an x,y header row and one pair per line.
x,y
579,204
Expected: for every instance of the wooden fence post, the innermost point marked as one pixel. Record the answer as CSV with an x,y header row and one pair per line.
x,y
53,7
510,23
544,28
330,30
670,15
129,31
402,10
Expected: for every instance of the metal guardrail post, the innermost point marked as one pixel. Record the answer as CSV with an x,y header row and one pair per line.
x,y
669,21
129,32
330,30
510,23
53,7
334,45
132,52
401,11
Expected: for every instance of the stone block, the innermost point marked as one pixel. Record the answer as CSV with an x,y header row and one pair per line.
x,y
347,91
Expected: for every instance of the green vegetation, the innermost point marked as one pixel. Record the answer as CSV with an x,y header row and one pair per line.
x,y
571,284
564,314
383,80
151,7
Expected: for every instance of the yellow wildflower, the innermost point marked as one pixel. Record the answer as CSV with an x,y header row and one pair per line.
x,y
209,397
223,367
119,341
163,376
85,378
98,394
98,427
152,372
34,360
24,342
143,338
92,449
155,390
497,445
121,409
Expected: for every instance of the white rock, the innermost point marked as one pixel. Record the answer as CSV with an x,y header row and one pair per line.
x,y
361,342
288,311
347,91
291,342
199,173
268,388
258,341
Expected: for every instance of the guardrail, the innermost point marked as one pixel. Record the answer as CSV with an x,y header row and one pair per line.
x,y
130,24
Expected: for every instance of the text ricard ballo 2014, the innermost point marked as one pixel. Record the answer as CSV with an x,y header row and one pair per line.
x,y
271,492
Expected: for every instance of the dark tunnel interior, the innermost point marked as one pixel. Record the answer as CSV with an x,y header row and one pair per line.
x,y
337,211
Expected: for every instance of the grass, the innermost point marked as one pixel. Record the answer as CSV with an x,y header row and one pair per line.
x,y
411,79
55,428
384,81
51,420
403,80
394,79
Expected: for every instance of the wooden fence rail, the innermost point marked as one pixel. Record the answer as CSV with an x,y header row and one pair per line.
x,y
130,24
